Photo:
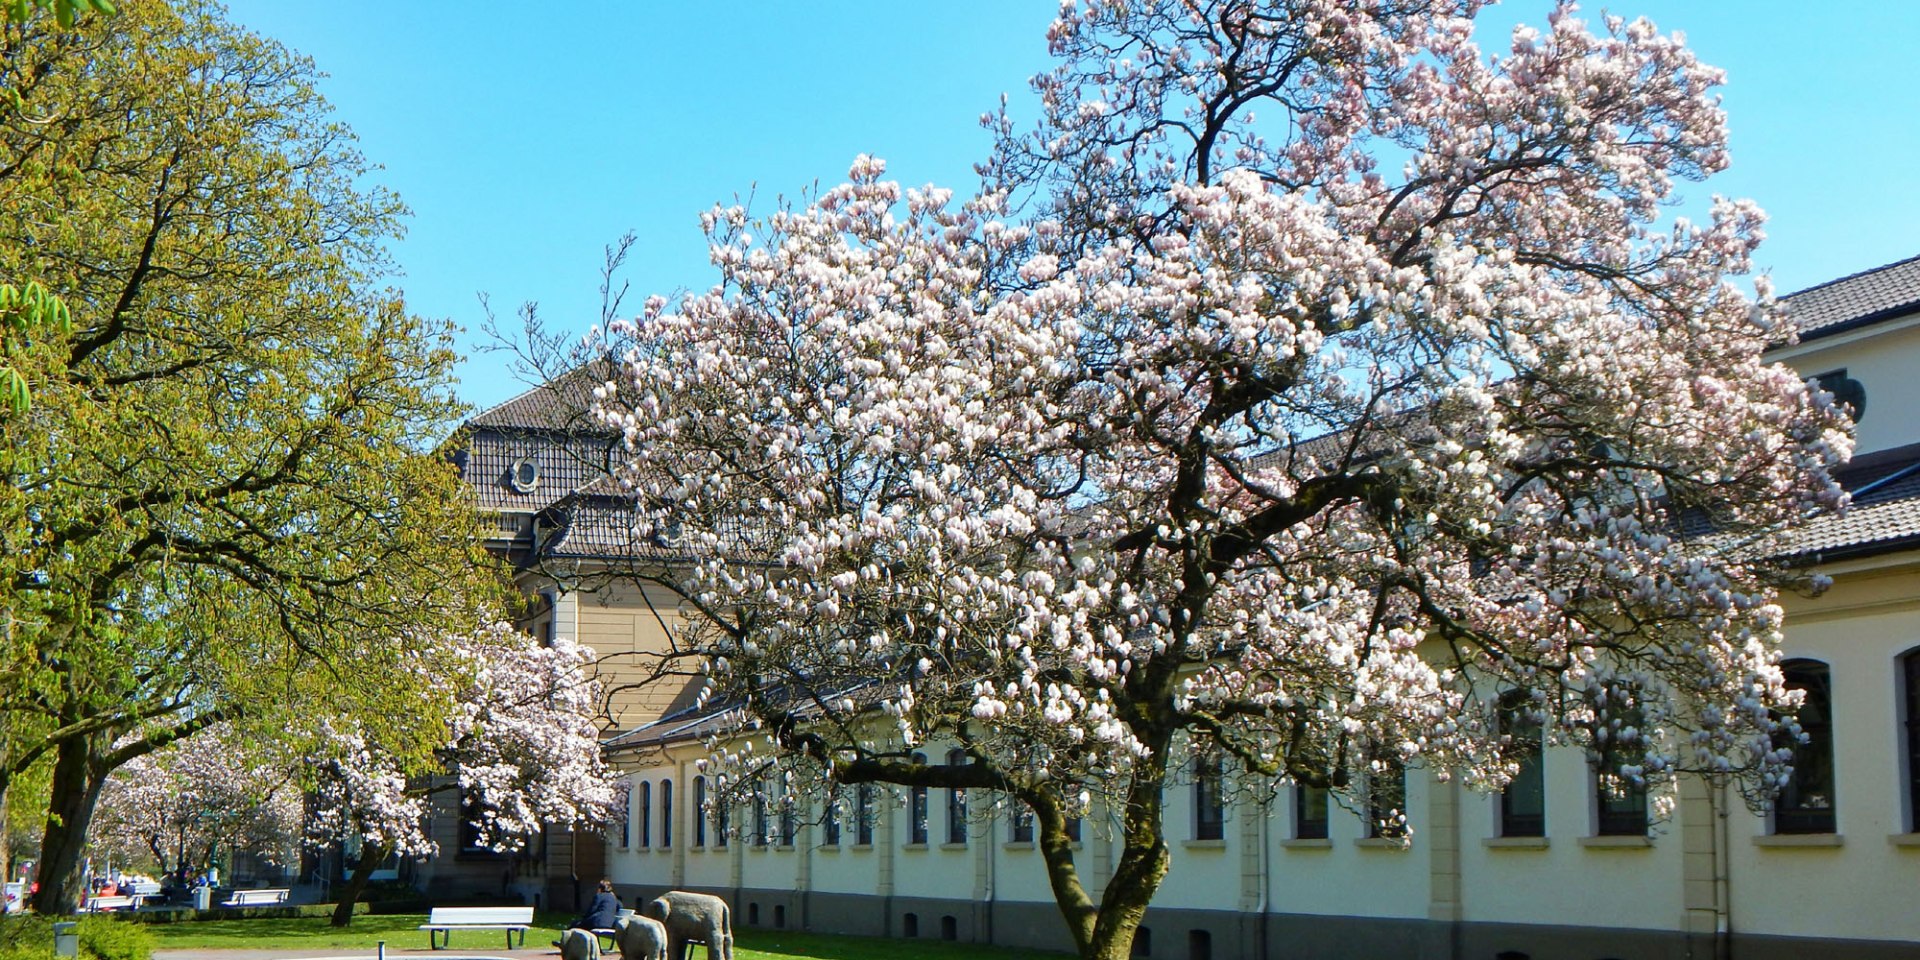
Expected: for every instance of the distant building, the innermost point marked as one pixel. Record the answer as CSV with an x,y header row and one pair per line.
x,y
1557,870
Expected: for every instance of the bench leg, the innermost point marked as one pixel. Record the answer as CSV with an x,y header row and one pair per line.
x,y
435,936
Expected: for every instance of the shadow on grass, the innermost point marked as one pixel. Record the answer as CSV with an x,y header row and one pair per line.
x,y
402,931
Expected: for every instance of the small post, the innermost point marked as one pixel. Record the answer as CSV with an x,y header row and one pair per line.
x,y
380,950
66,941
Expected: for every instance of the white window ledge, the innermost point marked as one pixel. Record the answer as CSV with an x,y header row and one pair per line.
x,y
1383,843
1515,843
1785,840
1616,842
1908,840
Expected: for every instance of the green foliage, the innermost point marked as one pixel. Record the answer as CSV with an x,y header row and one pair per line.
x,y
222,502
107,938
24,931
65,12
23,312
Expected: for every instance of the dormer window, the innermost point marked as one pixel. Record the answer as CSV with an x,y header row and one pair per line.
x,y
524,476
1848,392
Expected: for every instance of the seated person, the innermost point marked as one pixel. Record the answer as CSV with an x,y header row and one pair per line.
x,y
601,913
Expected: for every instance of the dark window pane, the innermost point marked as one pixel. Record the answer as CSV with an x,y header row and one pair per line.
x,y
1210,809
1523,804
1309,812
1805,804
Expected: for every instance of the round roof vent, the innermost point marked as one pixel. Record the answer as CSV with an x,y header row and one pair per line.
x,y
524,476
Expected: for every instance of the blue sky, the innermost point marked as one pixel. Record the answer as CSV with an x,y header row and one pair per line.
x,y
526,137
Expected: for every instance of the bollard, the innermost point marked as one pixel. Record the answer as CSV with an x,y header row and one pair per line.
x,y
381,950
66,943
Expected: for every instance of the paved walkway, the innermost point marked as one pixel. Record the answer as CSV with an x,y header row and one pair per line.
x,y
350,953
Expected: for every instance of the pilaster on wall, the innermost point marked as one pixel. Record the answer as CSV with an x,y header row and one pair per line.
x,y
1252,838
983,847
1097,838
1445,897
684,814
1702,894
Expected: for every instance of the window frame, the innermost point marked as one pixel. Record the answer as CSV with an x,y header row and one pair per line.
x,y
1790,815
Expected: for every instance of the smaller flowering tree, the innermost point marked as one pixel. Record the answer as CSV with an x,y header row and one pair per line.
x,y
520,746
182,804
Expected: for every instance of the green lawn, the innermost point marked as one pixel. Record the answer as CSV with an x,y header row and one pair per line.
x,y
402,931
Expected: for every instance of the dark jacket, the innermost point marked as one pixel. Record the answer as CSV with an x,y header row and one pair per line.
x,y
600,914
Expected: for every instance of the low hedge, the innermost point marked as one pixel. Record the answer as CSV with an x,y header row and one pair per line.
x,y
29,936
188,914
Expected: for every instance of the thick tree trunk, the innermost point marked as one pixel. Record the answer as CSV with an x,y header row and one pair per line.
x,y
371,855
78,774
1105,931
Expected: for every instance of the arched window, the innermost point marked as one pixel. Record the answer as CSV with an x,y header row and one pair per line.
x,y
1910,712
917,809
699,811
956,802
1209,803
722,820
1805,804
787,826
1523,804
644,815
666,813
1020,821
623,829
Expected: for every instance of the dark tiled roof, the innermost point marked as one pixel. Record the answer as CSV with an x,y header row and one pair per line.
x,y
1838,305
566,464
1885,514
562,404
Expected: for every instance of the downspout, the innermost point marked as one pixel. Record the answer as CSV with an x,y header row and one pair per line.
x,y
1723,875
1266,877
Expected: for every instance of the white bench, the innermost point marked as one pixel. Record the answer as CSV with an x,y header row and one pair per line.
x,y
444,920
612,935
97,904
255,898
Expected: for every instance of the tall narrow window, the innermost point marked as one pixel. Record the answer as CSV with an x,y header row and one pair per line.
x,y
1309,812
1073,829
1386,797
643,815
956,802
622,828
830,826
762,829
722,822
1209,802
666,813
699,811
1523,804
1805,804
1020,821
787,826
1619,800
863,814
1910,672
917,809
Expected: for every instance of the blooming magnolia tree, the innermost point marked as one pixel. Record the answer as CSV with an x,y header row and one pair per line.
x,y
522,748
1310,443
184,803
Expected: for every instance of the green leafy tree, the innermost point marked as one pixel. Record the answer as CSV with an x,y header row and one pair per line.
x,y
221,502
